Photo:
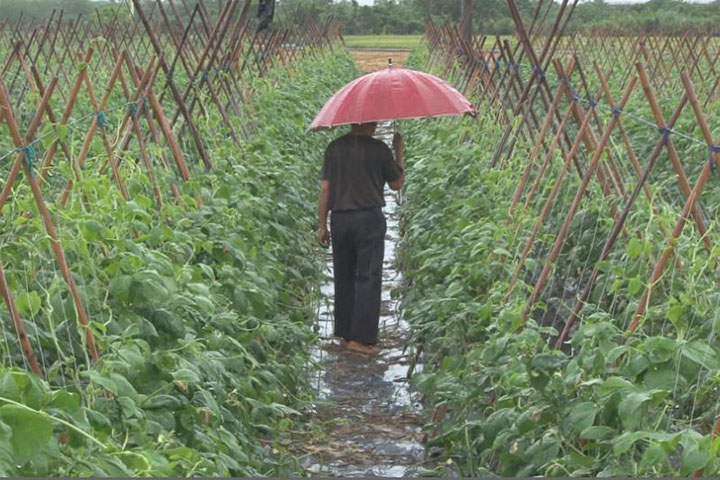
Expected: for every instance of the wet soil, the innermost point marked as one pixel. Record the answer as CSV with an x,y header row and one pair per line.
x,y
367,419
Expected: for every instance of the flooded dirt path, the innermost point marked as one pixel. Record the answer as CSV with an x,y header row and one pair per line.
x,y
367,418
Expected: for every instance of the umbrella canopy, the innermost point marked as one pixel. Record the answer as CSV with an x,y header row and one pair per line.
x,y
392,94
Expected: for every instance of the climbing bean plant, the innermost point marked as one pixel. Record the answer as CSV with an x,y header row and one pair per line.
x,y
508,403
200,310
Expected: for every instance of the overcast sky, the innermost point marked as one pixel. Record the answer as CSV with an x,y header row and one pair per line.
x,y
370,2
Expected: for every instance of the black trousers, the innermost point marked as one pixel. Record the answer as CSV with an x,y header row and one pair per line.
x,y
358,241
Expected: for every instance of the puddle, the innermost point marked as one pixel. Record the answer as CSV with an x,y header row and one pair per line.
x,y
367,418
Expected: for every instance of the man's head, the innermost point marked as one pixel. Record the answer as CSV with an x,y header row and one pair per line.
x,y
364,128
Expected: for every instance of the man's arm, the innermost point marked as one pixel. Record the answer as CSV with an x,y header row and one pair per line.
x,y
323,206
399,147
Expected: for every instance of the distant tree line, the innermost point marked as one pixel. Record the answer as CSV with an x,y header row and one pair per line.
x,y
408,16
13,9
493,16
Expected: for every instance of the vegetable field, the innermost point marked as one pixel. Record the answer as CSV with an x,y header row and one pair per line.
x,y
156,265
560,253
160,283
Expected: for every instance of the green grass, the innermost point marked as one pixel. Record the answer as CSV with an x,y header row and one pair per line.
x,y
382,41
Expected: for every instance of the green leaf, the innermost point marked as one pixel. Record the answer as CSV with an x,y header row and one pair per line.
x,y
103,381
654,457
28,303
635,286
629,408
582,415
548,362
209,401
692,460
623,443
661,378
185,375
62,132
675,312
7,464
67,402
8,387
128,406
501,252
150,285
31,431
660,349
716,322
596,432
635,247
454,289
702,353
162,401
124,387
615,384
32,390
120,287
133,355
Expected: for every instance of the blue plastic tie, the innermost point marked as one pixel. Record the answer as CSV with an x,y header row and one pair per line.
x,y
592,102
665,132
714,150
497,64
616,112
134,107
486,65
102,120
29,156
575,97
539,74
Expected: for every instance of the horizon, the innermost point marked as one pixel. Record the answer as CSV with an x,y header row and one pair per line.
x,y
371,2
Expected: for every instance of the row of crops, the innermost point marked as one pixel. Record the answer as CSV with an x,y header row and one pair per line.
x,y
157,274
505,401
561,257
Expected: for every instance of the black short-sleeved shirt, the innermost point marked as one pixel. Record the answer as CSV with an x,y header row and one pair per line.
x,y
357,167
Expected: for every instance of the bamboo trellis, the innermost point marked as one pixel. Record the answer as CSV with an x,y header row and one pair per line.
x,y
584,105
155,74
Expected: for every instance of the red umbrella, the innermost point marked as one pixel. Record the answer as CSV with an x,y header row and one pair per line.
x,y
392,94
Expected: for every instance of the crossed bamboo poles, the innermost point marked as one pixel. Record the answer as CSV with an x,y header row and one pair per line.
x,y
574,106
214,58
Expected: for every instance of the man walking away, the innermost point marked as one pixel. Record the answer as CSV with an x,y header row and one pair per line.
x,y
354,174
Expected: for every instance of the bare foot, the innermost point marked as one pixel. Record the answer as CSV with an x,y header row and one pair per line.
x,y
360,348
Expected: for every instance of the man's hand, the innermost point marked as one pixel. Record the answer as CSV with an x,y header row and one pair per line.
x,y
398,145
398,142
323,203
323,237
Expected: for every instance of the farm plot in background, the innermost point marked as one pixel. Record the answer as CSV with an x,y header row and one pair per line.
x,y
561,252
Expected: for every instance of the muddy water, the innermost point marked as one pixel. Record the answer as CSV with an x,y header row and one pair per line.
x,y
367,419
